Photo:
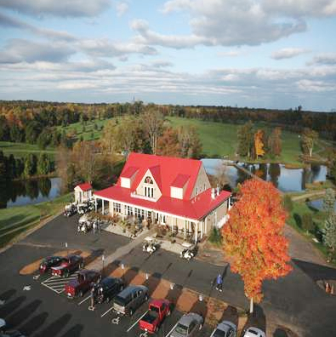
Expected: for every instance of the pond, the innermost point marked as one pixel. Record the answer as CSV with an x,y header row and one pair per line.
x,y
287,180
29,192
318,204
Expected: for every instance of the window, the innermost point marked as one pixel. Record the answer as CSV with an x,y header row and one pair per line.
x,y
149,192
116,207
149,180
129,210
139,213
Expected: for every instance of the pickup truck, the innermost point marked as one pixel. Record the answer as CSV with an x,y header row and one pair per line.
x,y
157,311
69,264
85,280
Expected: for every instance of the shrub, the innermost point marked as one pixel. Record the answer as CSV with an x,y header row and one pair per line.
x,y
307,222
288,203
215,237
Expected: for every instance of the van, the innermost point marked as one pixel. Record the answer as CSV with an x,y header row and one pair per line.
x,y
130,299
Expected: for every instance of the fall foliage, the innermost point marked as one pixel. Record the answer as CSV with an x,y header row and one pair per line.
x,y
253,236
168,144
258,143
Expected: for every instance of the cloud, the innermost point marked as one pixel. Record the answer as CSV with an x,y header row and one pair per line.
x,y
230,53
63,8
122,8
20,50
287,53
324,59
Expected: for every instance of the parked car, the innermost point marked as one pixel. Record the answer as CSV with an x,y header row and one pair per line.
x,y
254,332
130,299
70,264
189,251
108,288
157,312
70,210
12,333
188,325
225,329
84,281
2,325
49,262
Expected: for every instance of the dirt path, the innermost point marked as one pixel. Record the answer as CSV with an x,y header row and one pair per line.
x,y
309,195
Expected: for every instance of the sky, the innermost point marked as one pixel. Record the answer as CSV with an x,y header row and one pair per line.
x,y
255,53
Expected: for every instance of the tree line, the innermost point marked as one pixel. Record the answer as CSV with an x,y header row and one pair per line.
x,y
17,168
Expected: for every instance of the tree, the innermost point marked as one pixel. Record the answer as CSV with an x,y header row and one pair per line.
x,y
307,222
221,177
274,142
153,122
245,139
2,167
329,233
43,164
30,165
329,201
333,169
109,137
16,134
288,203
190,143
254,237
308,138
258,143
168,144
32,131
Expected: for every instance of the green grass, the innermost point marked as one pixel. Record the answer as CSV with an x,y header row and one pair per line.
x,y
22,149
220,139
16,220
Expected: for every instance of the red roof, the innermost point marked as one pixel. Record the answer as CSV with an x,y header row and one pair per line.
x,y
180,180
163,169
130,172
196,208
85,187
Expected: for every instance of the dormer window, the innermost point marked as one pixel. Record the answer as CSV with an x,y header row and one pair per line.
x,y
149,180
149,189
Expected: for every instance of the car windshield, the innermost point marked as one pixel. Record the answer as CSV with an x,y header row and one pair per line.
x,y
120,301
155,309
219,333
181,329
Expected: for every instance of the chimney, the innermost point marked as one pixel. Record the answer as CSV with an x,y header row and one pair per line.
x,y
213,193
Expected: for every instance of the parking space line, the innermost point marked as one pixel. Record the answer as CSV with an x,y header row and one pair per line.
x,y
172,330
84,300
106,312
136,322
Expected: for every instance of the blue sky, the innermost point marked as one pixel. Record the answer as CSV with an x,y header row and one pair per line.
x,y
256,53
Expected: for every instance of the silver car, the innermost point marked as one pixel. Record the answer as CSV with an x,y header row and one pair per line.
x,y
188,325
225,329
254,332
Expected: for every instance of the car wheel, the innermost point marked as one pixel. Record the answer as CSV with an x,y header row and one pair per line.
x,y
107,300
169,313
81,265
146,298
131,312
80,294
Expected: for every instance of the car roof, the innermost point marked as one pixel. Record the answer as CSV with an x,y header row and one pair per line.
x,y
130,289
158,303
254,332
188,318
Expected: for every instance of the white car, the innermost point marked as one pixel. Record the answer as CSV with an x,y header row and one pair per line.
x,y
2,325
225,329
254,332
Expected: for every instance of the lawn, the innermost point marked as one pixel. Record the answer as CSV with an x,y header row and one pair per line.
x,y
22,149
220,139
15,220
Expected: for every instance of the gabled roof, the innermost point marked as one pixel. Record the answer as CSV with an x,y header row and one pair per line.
x,y
84,187
129,172
164,170
180,180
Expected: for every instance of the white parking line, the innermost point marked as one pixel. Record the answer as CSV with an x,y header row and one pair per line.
x,y
171,330
84,300
132,326
105,313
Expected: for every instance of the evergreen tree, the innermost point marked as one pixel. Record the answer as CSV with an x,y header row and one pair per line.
x,y
245,139
329,233
329,201
307,222
307,141
274,142
43,164
30,165
2,167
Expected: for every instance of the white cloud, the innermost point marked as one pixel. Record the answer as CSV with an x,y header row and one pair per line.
x,y
67,8
122,8
324,59
287,53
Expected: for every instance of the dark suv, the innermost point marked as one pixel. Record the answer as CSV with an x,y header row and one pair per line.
x,y
108,288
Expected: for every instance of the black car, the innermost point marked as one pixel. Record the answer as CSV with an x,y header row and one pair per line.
x,y
108,288
49,262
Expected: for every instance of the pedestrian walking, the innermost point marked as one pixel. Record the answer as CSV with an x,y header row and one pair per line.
x,y
219,282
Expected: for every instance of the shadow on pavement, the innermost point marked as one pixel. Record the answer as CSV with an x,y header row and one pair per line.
x,y
230,314
110,268
33,324
316,271
94,255
174,294
22,314
257,319
54,328
75,331
130,274
11,306
7,295
200,307
153,282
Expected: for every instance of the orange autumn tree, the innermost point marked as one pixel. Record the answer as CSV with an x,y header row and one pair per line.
x,y
254,237
259,144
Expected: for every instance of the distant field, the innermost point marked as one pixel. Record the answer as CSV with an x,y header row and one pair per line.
x,y
22,149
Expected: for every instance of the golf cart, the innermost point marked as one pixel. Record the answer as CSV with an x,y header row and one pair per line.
x,y
70,210
189,251
150,245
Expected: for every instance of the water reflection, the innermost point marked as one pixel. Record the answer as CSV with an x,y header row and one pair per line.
x,y
318,204
287,180
18,193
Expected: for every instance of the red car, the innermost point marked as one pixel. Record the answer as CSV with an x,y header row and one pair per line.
x,y
85,280
158,310
70,264
49,262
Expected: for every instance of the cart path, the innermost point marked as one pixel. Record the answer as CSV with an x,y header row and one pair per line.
x,y
121,251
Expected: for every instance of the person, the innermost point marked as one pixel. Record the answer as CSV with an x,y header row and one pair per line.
x,y
219,282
